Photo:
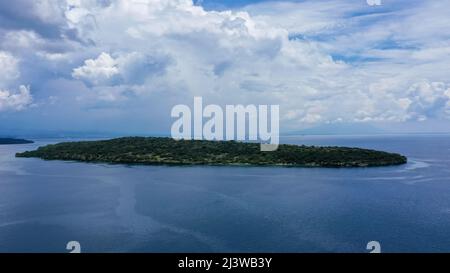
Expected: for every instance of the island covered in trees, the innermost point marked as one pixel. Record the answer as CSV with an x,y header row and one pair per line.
x,y
6,141
155,150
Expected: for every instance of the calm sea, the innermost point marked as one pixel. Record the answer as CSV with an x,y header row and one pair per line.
x,y
118,208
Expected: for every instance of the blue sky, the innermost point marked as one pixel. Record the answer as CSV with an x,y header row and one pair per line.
x,y
116,66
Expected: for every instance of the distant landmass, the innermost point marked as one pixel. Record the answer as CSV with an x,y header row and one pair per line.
x,y
340,129
154,150
6,141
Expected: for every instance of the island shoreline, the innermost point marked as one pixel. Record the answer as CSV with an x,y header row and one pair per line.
x,y
169,152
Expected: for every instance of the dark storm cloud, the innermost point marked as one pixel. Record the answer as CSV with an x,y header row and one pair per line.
x,y
21,14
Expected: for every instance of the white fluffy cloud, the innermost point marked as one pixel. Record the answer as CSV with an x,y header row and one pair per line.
x,y
97,71
253,59
322,61
9,69
9,72
132,68
15,100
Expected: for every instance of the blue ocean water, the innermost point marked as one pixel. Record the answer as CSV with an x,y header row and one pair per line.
x,y
119,208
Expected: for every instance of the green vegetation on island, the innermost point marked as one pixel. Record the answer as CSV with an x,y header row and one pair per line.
x,y
152,150
6,141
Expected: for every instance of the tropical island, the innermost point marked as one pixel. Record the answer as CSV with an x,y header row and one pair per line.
x,y
167,151
8,141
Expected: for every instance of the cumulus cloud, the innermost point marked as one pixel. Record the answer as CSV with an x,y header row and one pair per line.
x,y
9,72
235,55
9,69
15,100
428,100
321,61
132,68
97,71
